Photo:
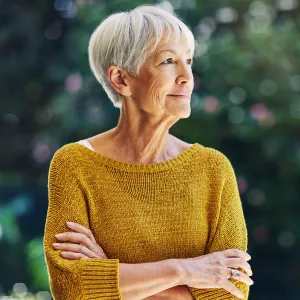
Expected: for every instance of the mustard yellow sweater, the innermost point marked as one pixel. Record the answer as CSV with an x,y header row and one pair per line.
x,y
184,207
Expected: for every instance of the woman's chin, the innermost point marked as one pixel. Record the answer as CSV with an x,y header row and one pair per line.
x,y
181,112
185,114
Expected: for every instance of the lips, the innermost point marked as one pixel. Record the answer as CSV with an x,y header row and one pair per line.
x,y
181,96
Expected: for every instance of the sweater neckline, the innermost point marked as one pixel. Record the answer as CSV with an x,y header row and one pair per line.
x,y
182,157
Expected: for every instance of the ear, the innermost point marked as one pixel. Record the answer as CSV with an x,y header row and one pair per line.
x,y
119,79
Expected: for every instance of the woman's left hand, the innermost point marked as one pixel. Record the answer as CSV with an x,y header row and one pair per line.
x,y
82,243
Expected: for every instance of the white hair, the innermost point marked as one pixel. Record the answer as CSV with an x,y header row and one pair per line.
x,y
126,39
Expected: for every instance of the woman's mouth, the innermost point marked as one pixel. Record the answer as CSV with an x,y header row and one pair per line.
x,y
180,96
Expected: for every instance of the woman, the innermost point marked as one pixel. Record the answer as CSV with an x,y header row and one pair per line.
x,y
153,217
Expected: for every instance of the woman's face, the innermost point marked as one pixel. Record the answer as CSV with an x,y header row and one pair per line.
x,y
165,74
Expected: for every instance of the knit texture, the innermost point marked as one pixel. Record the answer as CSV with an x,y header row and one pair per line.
x,y
184,207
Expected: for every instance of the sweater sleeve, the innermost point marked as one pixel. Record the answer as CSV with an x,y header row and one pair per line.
x,y
228,232
73,279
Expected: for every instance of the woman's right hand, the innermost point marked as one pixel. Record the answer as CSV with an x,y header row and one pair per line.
x,y
214,270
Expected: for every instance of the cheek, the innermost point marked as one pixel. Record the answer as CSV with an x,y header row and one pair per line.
x,y
160,84
156,89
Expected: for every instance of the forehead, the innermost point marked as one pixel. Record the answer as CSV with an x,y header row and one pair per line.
x,y
172,45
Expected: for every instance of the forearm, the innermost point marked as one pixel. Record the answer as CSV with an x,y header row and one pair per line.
x,y
140,281
179,292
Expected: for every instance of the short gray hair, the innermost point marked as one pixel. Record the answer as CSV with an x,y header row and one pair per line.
x,y
125,39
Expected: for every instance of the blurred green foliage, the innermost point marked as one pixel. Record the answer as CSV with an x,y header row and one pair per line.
x,y
246,103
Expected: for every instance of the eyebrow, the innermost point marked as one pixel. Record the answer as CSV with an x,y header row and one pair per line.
x,y
173,51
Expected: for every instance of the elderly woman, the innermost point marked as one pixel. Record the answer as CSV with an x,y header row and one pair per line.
x,y
134,212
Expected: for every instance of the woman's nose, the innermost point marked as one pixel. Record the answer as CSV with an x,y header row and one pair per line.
x,y
185,75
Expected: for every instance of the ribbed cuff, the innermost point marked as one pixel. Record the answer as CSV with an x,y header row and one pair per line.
x,y
100,278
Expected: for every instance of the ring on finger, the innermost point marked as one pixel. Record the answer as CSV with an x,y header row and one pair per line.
x,y
235,274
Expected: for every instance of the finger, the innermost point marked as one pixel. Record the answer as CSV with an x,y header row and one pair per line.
x,y
78,238
73,255
236,253
231,288
210,286
237,263
219,281
81,229
101,253
242,277
226,273
75,248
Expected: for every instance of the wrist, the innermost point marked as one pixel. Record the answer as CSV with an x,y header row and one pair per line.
x,y
179,271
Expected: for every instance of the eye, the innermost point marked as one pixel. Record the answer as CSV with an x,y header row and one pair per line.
x,y
190,61
168,60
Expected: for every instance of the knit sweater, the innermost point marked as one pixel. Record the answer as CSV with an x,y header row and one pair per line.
x,y
184,207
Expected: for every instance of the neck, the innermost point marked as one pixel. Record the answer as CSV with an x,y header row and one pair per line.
x,y
143,138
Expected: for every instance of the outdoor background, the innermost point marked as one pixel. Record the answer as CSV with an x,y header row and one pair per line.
x,y
246,103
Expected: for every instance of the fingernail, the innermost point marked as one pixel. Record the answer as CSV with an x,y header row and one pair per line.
x,y
241,295
59,235
56,245
69,223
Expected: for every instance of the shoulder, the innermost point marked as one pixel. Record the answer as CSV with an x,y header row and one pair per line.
x,y
65,166
66,156
217,162
217,158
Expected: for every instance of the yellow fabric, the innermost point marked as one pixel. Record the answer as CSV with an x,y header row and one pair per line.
x,y
184,207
